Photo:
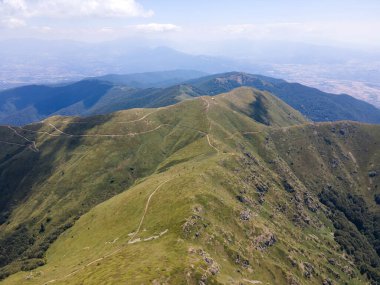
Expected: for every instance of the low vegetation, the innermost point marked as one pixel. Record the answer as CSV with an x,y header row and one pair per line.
x,y
216,190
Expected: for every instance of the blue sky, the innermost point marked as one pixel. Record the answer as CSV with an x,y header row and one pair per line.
x,y
199,22
238,11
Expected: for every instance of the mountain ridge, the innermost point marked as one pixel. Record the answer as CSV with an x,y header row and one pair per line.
x,y
101,97
213,190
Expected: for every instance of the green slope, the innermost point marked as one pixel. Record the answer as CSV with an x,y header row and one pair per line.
x,y
216,190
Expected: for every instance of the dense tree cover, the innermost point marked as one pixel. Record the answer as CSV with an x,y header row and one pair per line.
x,y
357,229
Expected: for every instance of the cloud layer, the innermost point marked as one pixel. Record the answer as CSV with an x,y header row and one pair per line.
x,y
72,8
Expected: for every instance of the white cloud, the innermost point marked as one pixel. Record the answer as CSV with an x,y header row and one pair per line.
x,y
73,8
12,23
155,27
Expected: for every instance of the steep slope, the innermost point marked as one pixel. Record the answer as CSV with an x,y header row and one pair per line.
x,y
316,105
219,190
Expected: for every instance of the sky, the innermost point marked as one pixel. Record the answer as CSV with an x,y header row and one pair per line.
x,y
195,25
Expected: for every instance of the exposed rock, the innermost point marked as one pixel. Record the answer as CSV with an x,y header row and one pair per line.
x,y
377,199
308,269
332,261
333,273
372,173
193,223
198,209
289,188
245,215
327,141
213,267
242,261
281,208
241,199
334,163
327,282
250,157
262,188
293,262
265,240
348,271
310,203
301,219
292,280
261,199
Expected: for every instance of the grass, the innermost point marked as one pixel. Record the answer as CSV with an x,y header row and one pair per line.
x,y
107,182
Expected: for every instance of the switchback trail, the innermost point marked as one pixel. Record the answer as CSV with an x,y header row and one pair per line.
x,y
210,124
33,146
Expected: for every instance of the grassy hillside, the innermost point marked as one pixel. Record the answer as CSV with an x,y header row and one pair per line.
x,y
217,190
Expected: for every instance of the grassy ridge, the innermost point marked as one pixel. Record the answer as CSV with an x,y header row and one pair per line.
x,y
221,197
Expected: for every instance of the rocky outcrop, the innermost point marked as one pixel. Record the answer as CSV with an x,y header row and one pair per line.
x,y
308,270
264,241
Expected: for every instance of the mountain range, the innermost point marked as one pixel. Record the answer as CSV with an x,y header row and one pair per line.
x,y
95,96
219,181
329,68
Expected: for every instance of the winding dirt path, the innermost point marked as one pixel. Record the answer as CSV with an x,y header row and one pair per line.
x,y
108,135
131,240
210,125
145,211
33,146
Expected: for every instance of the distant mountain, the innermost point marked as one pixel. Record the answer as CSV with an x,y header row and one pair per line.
x,y
33,103
152,79
28,104
28,60
316,105
37,61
